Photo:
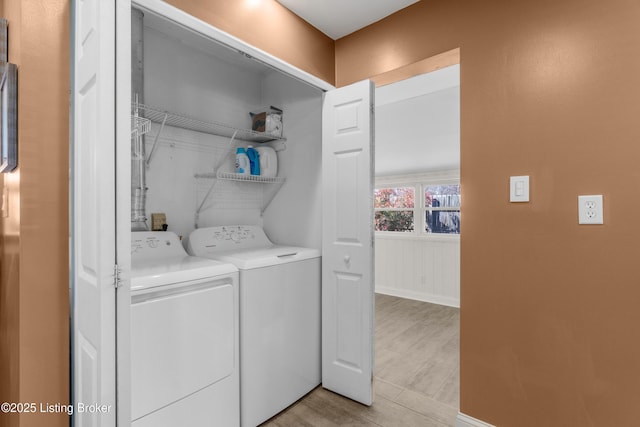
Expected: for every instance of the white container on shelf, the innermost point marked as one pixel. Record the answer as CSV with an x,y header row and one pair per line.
x,y
268,162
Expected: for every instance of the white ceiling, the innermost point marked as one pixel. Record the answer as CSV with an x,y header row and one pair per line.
x,y
337,18
418,124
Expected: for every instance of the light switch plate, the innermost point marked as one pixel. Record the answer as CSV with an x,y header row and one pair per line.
x,y
590,210
519,189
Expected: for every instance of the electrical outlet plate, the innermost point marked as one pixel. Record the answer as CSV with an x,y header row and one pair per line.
x,y
590,210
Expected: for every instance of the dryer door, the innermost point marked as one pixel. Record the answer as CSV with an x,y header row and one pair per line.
x,y
182,340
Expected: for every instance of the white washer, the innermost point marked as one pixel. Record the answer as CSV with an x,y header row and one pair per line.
x,y
280,353
184,336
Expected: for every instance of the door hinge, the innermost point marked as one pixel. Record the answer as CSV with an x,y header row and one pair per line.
x,y
116,276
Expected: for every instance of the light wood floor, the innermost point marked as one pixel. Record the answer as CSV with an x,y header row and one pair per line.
x,y
416,376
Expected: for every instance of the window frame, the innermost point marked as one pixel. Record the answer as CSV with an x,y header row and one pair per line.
x,y
419,182
426,209
413,209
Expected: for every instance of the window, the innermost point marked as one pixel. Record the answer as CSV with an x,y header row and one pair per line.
x,y
442,209
394,208
418,208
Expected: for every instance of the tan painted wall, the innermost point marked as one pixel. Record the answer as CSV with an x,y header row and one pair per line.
x,y
10,255
9,313
34,296
270,27
549,89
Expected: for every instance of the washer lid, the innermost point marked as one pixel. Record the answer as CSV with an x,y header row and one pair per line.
x,y
228,238
266,257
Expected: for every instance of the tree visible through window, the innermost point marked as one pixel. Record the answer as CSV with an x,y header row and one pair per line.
x,y
394,209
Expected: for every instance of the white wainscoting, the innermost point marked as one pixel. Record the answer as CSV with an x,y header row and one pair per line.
x,y
425,268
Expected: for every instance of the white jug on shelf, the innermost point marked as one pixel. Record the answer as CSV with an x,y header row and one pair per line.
x,y
268,162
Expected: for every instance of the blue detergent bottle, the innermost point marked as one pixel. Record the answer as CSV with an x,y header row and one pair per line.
x,y
254,160
242,162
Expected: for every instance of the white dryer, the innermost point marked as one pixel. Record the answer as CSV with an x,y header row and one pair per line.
x,y
280,297
184,336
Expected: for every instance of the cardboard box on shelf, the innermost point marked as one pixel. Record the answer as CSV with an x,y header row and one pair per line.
x,y
267,120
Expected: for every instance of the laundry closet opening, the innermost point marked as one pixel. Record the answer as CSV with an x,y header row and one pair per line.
x,y
225,278
192,105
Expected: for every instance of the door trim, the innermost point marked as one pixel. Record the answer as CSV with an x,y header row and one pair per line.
x,y
123,209
427,65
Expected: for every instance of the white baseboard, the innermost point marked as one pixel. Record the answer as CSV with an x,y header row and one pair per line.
x,y
466,421
419,296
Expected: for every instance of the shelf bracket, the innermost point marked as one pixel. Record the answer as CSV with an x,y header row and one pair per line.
x,y
274,191
155,140
229,150
215,181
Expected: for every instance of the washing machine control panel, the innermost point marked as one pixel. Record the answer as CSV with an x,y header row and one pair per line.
x,y
155,244
226,238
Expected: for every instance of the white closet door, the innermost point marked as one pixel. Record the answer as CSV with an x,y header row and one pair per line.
x,y
93,212
347,245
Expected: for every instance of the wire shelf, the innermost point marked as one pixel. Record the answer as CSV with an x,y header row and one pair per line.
x,y
234,180
178,120
250,178
228,176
